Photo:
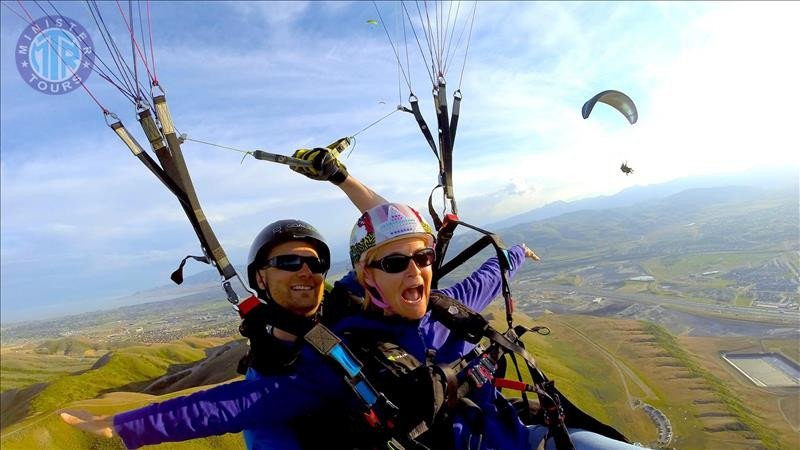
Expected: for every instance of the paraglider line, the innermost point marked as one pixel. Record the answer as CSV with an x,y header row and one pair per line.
x,y
432,42
352,138
30,19
111,45
100,72
15,13
427,40
392,44
399,85
246,152
469,39
405,41
419,45
452,32
373,123
133,39
133,55
120,60
152,56
141,27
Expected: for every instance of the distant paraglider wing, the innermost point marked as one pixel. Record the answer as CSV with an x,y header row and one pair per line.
x,y
618,100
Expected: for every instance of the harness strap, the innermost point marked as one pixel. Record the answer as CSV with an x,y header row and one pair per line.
x,y
441,269
465,255
157,143
454,116
437,222
444,233
184,179
208,240
166,175
379,411
177,275
445,142
412,99
148,162
160,148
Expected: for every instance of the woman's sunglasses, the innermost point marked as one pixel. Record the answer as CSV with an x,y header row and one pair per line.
x,y
396,263
293,263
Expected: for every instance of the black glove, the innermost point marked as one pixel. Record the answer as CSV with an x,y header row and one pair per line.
x,y
324,165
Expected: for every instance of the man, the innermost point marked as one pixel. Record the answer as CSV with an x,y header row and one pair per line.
x,y
286,266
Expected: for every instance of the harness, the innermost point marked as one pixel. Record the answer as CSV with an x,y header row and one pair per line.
x,y
390,383
270,355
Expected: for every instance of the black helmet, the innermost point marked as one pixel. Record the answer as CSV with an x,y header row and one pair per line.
x,y
277,233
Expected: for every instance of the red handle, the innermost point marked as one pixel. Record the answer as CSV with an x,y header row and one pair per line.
x,y
511,384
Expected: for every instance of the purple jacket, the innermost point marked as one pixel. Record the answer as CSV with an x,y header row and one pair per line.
x,y
274,402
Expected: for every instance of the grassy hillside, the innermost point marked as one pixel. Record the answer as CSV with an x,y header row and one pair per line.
x,y
22,369
68,347
129,369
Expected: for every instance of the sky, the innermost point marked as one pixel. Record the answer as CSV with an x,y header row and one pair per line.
x,y
84,223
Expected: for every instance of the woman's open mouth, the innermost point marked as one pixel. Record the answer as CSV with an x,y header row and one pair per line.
x,y
413,294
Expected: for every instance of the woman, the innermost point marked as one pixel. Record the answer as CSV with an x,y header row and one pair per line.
x,y
391,250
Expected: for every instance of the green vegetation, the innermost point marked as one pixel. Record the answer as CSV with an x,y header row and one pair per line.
x,y
742,299
788,347
636,287
678,268
68,346
568,280
743,413
567,357
129,369
20,370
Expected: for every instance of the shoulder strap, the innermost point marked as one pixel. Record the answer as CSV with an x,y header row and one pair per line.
x,y
378,410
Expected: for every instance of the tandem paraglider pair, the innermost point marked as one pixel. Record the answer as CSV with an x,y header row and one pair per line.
x,y
406,369
621,103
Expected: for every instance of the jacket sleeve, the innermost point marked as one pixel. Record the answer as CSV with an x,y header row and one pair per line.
x,y
483,285
229,408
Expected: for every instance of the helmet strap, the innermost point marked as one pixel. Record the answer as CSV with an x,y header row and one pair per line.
x,y
376,295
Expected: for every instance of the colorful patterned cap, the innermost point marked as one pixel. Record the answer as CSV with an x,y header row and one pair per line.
x,y
386,223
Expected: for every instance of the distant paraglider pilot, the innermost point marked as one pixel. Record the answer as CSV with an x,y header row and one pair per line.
x,y
625,168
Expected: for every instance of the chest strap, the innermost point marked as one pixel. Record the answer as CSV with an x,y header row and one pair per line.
x,y
379,411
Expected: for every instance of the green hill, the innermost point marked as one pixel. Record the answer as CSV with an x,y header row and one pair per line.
x,y
130,369
68,347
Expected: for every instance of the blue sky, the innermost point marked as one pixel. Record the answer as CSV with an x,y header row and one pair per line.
x,y
83,222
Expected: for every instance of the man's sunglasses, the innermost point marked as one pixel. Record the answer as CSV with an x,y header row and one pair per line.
x,y
396,263
293,263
